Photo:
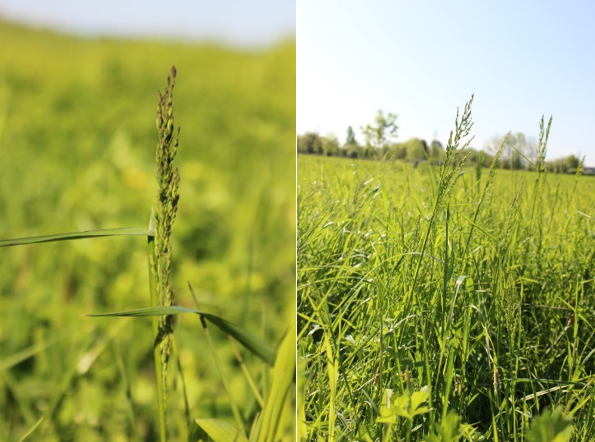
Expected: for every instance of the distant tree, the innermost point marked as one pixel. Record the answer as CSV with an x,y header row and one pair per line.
x,y
557,165
401,151
351,141
572,162
417,149
520,151
493,145
487,159
301,144
436,150
568,164
531,151
351,148
310,143
518,144
474,155
382,132
397,151
369,152
509,158
352,151
330,145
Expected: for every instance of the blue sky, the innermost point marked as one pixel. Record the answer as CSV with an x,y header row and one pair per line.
x,y
423,59
241,23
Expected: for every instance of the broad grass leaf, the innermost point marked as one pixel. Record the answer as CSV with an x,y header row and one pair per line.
x,y
269,426
220,431
122,231
247,339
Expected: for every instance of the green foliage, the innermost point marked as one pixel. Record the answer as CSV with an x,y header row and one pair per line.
x,y
448,430
220,431
436,150
520,152
407,405
350,141
311,143
384,129
477,284
330,145
77,154
551,426
416,149
272,422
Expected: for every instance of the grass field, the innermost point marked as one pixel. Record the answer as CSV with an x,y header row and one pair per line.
x,y
77,152
444,304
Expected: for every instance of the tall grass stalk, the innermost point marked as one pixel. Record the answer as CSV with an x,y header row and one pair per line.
x,y
160,249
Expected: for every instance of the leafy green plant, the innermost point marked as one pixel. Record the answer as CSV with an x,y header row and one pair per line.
x,y
162,299
406,406
551,426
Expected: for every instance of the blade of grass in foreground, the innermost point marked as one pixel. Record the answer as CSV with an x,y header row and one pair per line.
x,y
31,430
19,357
247,339
234,407
220,431
129,231
270,422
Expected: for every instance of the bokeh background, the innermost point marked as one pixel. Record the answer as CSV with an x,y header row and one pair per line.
x,y
77,148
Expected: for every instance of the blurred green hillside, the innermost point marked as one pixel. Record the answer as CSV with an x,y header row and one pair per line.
x,y
77,146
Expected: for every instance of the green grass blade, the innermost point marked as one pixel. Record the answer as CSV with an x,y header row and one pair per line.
x,y
220,431
271,421
232,403
128,231
128,392
26,354
31,430
247,339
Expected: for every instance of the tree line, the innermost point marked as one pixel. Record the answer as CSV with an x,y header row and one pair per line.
x,y
520,151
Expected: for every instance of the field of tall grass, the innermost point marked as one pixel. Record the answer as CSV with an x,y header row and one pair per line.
x,y
445,303
77,153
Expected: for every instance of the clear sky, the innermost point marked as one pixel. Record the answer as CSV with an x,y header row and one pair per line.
x,y
241,23
423,59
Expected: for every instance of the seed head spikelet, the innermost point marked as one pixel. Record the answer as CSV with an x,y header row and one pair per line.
x,y
166,205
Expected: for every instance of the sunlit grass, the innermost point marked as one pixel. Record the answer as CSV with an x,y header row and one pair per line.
x,y
473,287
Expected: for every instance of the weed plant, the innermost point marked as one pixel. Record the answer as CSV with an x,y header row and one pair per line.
x,y
444,303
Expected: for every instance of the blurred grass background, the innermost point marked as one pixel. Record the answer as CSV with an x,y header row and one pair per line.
x,y
77,146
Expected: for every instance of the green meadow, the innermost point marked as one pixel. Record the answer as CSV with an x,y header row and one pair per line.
x,y
444,303
77,153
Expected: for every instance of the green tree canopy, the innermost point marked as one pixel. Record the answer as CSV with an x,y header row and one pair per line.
x,y
310,142
417,149
436,150
382,132
330,145
350,141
